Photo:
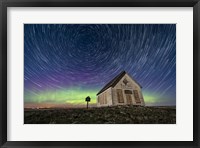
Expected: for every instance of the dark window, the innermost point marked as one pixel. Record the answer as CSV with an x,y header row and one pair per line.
x,y
127,91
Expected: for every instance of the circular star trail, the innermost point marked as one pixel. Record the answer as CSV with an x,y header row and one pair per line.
x,y
63,63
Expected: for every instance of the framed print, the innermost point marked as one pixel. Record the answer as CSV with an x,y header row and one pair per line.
x,y
99,73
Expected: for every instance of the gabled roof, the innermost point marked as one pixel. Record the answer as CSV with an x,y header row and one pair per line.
x,y
114,81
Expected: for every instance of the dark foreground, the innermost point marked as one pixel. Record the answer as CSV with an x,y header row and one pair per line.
x,y
104,115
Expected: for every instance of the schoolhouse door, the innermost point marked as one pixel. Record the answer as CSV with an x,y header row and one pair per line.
x,y
128,99
128,96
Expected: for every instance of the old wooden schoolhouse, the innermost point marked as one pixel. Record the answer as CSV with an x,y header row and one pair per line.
x,y
122,90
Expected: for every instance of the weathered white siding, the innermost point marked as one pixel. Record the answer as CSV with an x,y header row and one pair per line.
x,y
141,98
105,98
114,97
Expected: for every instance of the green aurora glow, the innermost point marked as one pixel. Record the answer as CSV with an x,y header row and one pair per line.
x,y
70,95
76,96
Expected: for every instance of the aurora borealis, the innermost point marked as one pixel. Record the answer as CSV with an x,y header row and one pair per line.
x,y
64,63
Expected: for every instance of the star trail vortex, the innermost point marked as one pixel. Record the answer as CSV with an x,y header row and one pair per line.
x,y
64,63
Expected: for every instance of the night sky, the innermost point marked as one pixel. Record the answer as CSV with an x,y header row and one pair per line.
x,y
64,63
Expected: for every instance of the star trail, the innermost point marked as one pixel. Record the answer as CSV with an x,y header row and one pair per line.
x,y
64,63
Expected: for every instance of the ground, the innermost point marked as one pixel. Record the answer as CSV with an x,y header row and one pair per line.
x,y
103,115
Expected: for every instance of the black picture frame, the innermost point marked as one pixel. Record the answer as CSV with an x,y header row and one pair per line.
x,y
4,4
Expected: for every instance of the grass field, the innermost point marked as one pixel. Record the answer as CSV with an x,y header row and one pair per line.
x,y
103,115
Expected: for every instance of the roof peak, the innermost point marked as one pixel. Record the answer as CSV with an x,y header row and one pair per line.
x,y
114,81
